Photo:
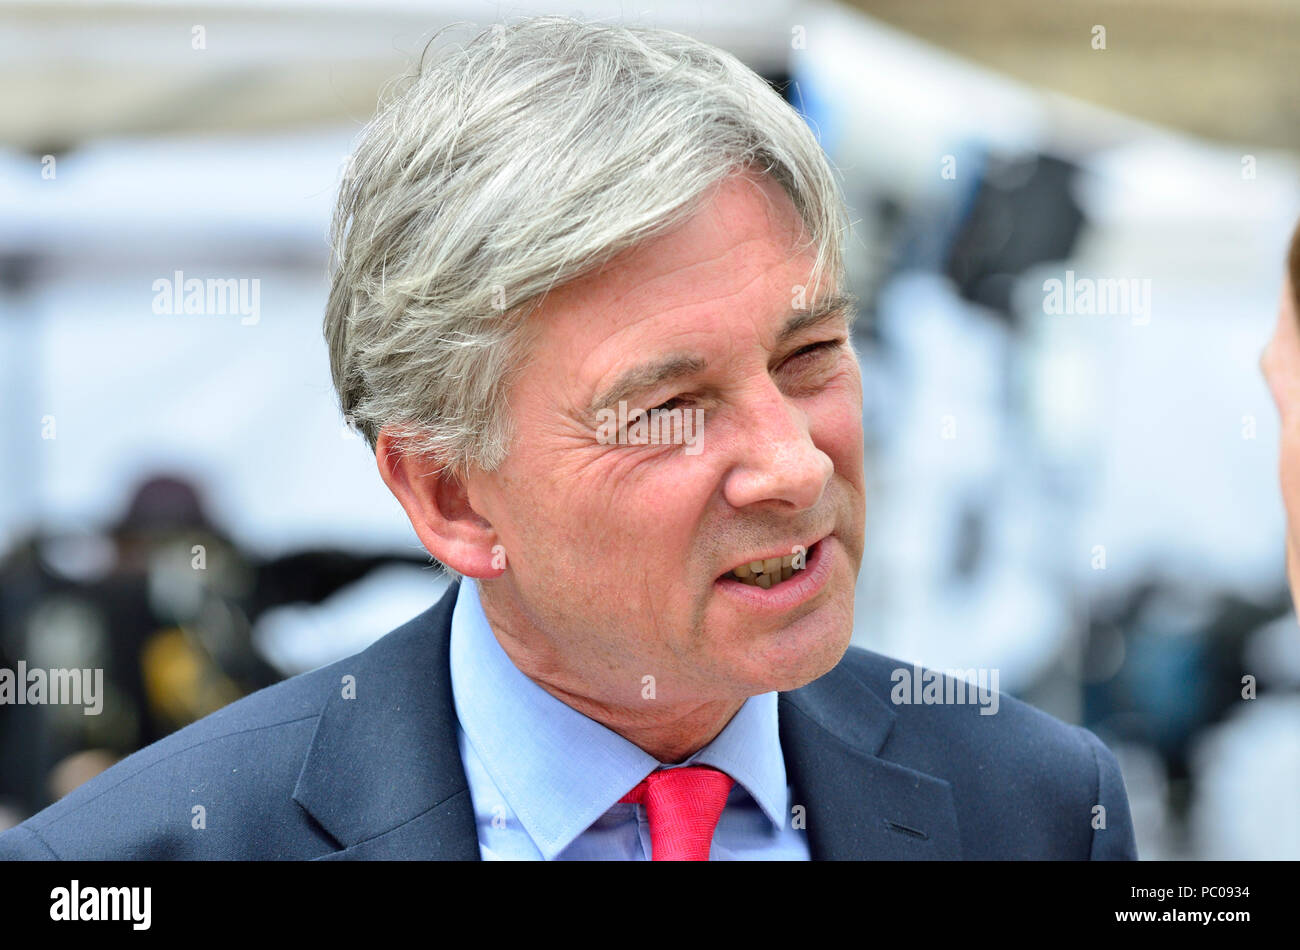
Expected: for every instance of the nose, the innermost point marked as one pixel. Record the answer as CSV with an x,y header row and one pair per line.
x,y
777,460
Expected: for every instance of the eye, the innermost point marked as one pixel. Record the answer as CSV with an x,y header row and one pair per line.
x,y
675,403
814,349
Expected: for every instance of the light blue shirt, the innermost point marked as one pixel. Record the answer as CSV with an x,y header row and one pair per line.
x,y
545,780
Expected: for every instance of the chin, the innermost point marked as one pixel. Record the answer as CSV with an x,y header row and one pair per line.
x,y
804,655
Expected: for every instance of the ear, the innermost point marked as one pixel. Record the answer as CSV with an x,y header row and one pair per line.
x,y
438,505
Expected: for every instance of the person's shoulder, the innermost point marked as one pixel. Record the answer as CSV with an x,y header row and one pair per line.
x,y
967,709
965,702
1034,777
220,787
177,797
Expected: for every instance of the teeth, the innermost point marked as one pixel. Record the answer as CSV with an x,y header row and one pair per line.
x,y
766,572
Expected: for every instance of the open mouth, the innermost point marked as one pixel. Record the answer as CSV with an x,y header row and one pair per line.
x,y
773,571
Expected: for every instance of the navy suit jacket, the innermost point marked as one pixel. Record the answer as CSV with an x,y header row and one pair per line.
x,y
300,771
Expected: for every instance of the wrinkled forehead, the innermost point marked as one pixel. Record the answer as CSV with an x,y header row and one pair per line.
x,y
742,261
745,230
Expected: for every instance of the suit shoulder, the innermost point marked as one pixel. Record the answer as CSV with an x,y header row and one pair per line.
x,y
1011,766
964,703
160,801
957,724
213,788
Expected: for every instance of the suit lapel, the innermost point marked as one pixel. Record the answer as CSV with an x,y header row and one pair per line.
x,y
858,805
383,775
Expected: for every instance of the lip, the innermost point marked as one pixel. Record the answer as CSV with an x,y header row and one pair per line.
x,y
799,589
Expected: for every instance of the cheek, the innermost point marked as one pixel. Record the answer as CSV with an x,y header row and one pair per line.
x,y
836,428
611,518
1281,364
1289,469
1272,373
541,534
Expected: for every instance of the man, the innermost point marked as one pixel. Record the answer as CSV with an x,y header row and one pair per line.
x,y
1280,364
588,312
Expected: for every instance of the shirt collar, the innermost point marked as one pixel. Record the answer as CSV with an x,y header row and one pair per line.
x,y
520,731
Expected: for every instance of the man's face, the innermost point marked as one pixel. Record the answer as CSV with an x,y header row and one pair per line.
x,y
1281,366
617,552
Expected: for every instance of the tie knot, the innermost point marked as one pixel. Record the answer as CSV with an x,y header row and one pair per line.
x,y
683,806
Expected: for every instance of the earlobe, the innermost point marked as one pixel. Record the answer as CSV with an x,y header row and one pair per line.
x,y
437,504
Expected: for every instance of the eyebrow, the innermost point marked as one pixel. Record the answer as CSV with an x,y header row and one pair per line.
x,y
679,365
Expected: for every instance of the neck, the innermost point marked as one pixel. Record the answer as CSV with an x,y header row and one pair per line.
x,y
670,729
671,735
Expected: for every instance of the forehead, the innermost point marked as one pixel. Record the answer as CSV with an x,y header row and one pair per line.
x,y
737,252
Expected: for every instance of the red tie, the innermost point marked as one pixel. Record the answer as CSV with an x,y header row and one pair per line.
x,y
683,806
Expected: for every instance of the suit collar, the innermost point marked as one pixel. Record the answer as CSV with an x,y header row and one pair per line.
x,y
383,775
858,805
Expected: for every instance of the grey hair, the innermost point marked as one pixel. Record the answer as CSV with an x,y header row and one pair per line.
x,y
523,161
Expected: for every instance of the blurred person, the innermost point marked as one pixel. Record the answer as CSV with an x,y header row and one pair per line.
x,y
107,601
1280,364
646,655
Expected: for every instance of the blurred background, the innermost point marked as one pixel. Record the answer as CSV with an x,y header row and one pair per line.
x,y
1070,222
